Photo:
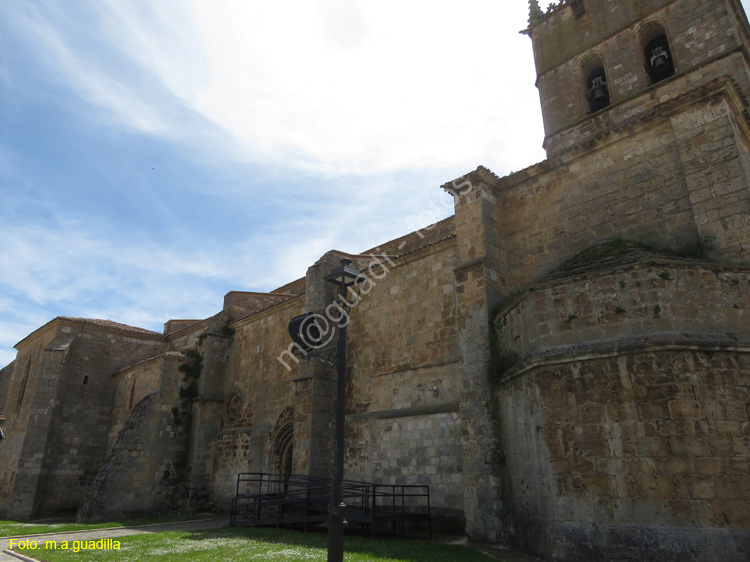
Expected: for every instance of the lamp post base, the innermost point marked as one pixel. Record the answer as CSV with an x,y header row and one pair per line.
x,y
336,523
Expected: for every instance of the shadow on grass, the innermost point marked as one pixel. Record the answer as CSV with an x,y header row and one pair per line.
x,y
407,550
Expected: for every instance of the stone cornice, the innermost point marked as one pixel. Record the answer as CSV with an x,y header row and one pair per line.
x,y
428,409
590,274
171,355
191,327
425,250
559,163
652,343
649,111
260,314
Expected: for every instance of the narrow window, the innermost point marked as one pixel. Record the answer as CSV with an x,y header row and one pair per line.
x,y
659,62
25,380
598,92
85,379
132,396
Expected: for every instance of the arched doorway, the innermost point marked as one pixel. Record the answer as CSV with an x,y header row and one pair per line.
x,y
287,456
282,453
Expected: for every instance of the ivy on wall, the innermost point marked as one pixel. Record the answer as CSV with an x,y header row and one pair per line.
x,y
191,369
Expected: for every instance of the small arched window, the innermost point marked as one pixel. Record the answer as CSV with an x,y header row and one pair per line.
x,y
597,89
659,61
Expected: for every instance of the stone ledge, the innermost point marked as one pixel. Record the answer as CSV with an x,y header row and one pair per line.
x,y
444,408
666,341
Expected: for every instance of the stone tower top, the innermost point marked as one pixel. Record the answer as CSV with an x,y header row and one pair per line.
x,y
593,55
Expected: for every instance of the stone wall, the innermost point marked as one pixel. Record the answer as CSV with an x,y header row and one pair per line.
x,y
614,420
480,278
6,374
699,31
131,385
674,182
640,456
25,428
77,441
264,390
403,324
652,299
403,422
412,446
623,409
62,422
144,473
187,336
238,304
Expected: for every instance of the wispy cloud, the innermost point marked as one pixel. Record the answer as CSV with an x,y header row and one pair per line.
x,y
89,77
328,86
68,260
283,85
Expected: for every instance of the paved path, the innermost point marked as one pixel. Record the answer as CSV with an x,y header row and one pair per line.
x,y
216,521
114,533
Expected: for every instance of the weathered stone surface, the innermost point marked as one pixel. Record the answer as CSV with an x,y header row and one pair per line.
x,y
565,361
594,451
58,408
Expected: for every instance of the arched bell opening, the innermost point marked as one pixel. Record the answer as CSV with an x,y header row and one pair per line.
x,y
659,61
597,89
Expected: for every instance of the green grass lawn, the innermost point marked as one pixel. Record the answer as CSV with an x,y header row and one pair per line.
x,y
15,528
234,544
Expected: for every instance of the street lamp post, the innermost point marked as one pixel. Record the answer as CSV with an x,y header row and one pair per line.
x,y
307,336
342,278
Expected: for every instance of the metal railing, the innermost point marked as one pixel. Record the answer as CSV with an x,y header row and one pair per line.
x,y
262,498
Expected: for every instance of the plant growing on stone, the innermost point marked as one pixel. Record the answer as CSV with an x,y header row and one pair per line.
x,y
191,368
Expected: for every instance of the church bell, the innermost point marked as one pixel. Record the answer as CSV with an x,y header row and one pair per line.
x,y
659,64
598,93
659,58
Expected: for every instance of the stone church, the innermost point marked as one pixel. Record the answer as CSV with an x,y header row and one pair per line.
x,y
565,360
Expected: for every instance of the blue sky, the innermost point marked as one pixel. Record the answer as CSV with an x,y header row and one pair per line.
x,y
155,155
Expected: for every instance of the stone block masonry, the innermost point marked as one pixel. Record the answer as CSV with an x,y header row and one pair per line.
x,y
565,361
58,405
644,455
650,300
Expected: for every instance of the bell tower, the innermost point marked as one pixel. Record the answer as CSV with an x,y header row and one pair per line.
x,y
603,63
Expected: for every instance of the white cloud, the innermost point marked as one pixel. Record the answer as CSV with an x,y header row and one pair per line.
x,y
160,37
69,262
418,84
334,86
93,81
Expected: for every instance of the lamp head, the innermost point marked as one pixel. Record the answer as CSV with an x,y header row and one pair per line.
x,y
344,275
